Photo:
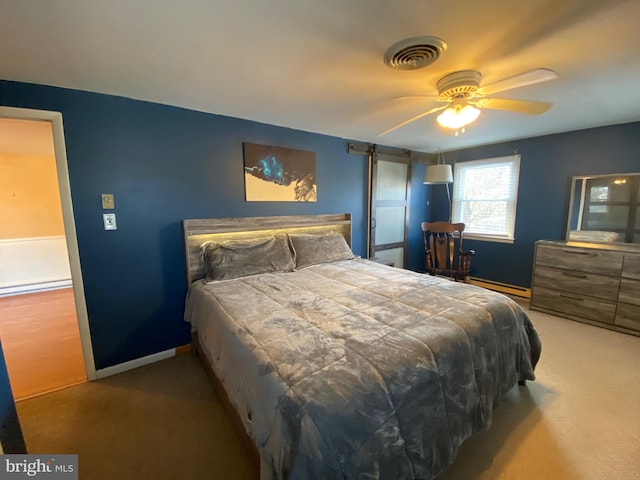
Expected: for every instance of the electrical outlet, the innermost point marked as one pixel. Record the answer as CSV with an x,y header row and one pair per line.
x,y
108,202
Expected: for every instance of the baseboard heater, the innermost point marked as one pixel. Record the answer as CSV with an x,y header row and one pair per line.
x,y
500,287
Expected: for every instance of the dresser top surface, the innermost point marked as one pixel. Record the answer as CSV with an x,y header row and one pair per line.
x,y
611,247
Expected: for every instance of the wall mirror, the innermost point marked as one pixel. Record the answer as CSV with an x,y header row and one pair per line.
x,y
605,208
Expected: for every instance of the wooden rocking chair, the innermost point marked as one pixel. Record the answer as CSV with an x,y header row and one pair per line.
x,y
443,250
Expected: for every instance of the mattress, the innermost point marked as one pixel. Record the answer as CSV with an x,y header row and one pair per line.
x,y
353,369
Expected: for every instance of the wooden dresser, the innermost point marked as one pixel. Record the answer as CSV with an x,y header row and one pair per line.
x,y
594,283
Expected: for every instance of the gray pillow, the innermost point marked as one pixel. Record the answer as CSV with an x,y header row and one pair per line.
x,y
240,258
314,249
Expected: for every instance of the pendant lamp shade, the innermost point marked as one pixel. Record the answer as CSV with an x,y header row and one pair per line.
x,y
440,173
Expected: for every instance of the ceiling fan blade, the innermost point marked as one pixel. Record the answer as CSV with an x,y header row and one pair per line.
x,y
413,119
419,97
531,77
519,106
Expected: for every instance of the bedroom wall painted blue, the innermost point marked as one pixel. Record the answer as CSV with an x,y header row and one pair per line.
x,y
546,167
165,164
419,211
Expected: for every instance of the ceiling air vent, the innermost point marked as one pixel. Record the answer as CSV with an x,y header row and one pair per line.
x,y
414,53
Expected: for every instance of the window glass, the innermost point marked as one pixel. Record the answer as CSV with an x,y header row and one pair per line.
x,y
484,197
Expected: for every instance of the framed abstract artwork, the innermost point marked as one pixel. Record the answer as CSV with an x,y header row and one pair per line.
x,y
278,174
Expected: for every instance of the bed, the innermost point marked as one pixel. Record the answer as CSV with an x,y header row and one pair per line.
x,y
339,367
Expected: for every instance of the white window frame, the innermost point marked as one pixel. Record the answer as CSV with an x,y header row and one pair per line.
x,y
508,234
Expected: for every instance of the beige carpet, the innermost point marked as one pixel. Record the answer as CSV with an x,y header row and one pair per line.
x,y
579,421
158,422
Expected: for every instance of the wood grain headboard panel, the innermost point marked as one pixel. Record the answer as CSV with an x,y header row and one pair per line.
x,y
198,231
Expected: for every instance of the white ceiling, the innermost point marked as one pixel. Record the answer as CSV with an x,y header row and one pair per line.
x,y
317,65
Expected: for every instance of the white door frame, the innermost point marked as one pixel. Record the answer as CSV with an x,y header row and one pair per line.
x,y
69,223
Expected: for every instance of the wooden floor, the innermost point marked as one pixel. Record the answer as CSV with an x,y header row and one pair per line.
x,y
41,342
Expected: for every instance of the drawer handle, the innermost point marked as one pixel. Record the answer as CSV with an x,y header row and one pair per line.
x,y
574,275
572,298
580,253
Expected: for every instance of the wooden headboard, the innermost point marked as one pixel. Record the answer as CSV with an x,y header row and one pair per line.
x,y
198,231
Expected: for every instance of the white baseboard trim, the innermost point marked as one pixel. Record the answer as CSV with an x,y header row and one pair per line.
x,y
138,362
35,287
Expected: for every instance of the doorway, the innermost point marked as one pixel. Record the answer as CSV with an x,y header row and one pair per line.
x,y
45,328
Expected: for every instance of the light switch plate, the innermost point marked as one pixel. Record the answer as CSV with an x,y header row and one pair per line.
x,y
108,202
109,221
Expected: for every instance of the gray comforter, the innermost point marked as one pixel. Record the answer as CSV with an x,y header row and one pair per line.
x,y
357,370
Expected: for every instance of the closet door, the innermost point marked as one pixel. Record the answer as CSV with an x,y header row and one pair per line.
x,y
390,183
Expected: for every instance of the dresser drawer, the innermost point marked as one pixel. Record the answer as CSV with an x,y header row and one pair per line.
x,y
575,305
630,291
581,259
582,283
628,316
631,266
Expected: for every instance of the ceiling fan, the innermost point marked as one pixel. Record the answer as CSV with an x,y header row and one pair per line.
x,y
464,97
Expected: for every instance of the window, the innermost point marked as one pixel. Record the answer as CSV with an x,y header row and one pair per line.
x,y
484,197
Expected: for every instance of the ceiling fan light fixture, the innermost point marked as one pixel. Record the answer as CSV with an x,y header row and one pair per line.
x,y
458,115
464,97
